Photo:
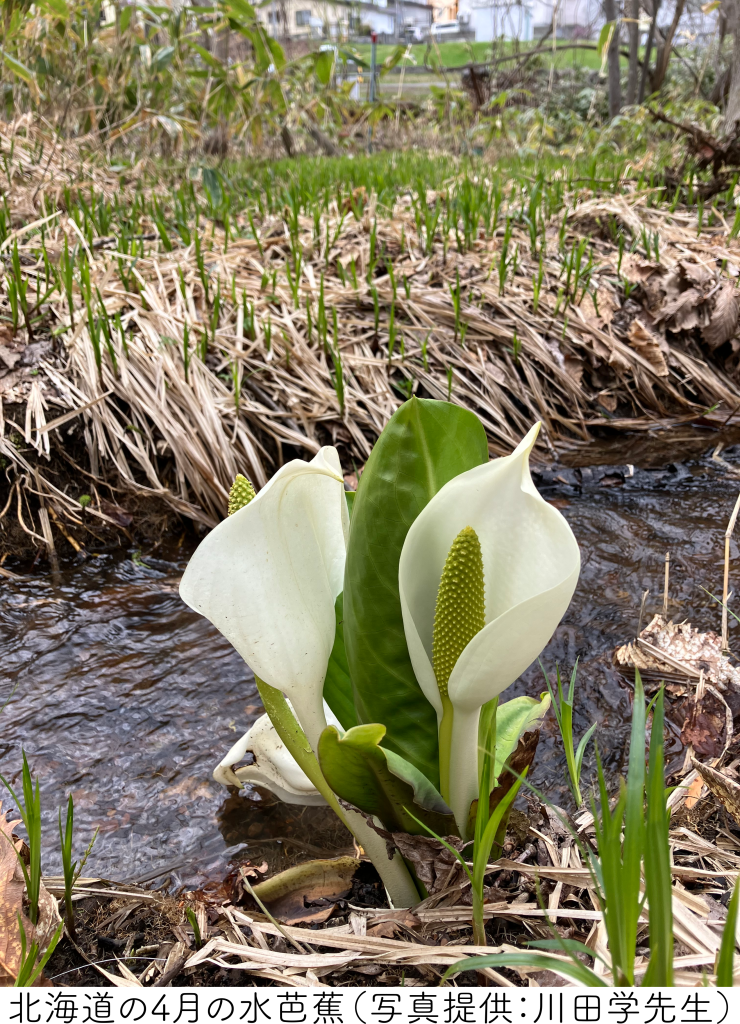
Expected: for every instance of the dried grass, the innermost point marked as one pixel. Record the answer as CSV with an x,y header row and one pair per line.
x,y
577,367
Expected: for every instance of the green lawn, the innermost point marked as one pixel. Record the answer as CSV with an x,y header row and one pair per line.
x,y
458,53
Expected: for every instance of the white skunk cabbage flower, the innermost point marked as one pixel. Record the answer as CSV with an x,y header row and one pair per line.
x,y
268,576
530,566
273,768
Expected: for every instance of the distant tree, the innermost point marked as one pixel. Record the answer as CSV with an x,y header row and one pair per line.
x,y
611,13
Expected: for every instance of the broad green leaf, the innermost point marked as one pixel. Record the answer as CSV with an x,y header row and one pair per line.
x,y
240,11
162,58
390,62
277,52
207,57
126,15
347,53
380,783
425,795
423,446
605,40
55,7
274,93
324,65
18,69
513,719
212,187
338,685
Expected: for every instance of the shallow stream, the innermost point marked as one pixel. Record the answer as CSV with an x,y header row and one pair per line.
x,y
127,699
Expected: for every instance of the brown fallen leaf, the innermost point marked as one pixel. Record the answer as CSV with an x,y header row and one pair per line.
x,y
647,344
11,901
119,515
723,322
289,894
388,926
693,792
670,650
725,789
681,313
696,272
705,727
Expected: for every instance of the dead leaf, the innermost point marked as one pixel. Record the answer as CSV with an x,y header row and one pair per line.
x,y
609,402
574,368
723,322
693,792
705,726
433,863
696,272
725,789
603,309
637,270
646,344
11,901
388,926
119,515
289,894
9,357
681,311
669,650
612,480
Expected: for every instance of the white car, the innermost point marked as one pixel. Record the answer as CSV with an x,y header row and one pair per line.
x,y
443,29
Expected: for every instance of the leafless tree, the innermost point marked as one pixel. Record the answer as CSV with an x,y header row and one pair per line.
x,y
633,33
611,13
731,9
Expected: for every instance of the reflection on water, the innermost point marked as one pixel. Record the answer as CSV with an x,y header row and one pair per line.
x,y
127,699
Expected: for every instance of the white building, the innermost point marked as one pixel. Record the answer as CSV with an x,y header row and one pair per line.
x,y
528,19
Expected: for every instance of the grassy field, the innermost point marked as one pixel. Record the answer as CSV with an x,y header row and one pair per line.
x,y
459,53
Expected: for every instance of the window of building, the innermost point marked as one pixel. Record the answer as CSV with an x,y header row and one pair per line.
x,y
302,18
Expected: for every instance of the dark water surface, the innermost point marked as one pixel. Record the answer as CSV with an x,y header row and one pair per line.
x,y
127,699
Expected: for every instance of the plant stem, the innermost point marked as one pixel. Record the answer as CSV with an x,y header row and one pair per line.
x,y
394,873
445,742
463,766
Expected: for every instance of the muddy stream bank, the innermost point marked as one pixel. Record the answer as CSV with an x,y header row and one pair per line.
x,y
127,699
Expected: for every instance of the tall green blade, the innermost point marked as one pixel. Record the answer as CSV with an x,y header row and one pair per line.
x,y
726,958
658,885
634,828
422,447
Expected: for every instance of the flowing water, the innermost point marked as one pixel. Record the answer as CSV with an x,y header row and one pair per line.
x,y
123,697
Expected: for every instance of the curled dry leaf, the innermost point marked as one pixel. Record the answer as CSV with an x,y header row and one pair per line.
x,y
705,727
723,321
308,891
648,345
724,788
697,273
11,901
681,313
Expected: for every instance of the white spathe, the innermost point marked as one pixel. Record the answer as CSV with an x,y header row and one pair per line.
x,y
268,577
274,767
531,563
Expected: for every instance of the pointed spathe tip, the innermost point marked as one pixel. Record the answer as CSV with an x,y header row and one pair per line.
x,y
527,443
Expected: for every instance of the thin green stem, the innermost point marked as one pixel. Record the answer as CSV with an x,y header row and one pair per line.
x,y
394,873
445,745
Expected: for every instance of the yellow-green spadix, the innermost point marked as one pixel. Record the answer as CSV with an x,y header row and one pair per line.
x,y
268,576
530,563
